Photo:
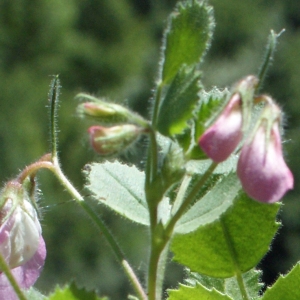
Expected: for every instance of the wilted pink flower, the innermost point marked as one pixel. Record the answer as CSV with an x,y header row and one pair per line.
x,y
221,139
21,243
261,168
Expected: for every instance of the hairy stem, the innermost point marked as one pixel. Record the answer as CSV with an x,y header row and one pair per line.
x,y
56,169
102,227
268,58
157,103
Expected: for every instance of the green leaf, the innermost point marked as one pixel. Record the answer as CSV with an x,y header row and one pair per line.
x,y
200,166
229,286
286,287
120,187
233,243
195,293
73,293
252,284
34,294
212,205
177,106
209,105
187,37
206,281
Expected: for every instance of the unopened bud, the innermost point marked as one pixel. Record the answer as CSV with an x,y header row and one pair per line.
x,y
104,112
108,113
112,140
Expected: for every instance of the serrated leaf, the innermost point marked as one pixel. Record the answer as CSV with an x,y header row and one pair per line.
x,y
120,187
215,203
235,242
177,106
252,285
229,286
286,287
34,294
206,281
73,293
195,293
187,37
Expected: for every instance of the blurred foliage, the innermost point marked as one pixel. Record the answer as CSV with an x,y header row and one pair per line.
x,y
111,48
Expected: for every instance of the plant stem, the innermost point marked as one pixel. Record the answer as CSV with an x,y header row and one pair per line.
x,y
6,270
56,169
104,230
268,58
190,197
53,98
158,244
157,103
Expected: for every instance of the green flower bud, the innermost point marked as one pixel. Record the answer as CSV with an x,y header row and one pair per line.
x,y
108,113
112,140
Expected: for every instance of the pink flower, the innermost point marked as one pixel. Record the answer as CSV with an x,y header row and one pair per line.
x,y
21,242
261,168
221,139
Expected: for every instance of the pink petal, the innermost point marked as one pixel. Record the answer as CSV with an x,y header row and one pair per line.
x,y
261,168
221,139
26,275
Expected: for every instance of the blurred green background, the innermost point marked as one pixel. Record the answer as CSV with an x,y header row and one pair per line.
x,y
111,48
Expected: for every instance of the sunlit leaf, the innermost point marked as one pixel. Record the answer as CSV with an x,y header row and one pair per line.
x,y
187,37
234,242
286,287
177,106
196,293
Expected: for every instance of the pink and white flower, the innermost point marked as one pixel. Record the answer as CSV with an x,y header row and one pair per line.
x,y
222,138
261,168
21,242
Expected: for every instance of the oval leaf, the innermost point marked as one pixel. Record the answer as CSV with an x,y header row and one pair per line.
x,y
235,242
121,188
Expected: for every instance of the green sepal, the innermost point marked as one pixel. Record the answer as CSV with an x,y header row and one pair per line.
x,y
187,37
177,106
233,242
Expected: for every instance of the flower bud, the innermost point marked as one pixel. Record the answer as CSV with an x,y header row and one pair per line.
x,y
108,113
261,168
221,139
104,112
21,243
112,140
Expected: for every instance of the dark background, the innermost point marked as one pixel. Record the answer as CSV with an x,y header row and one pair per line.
x,y
111,48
